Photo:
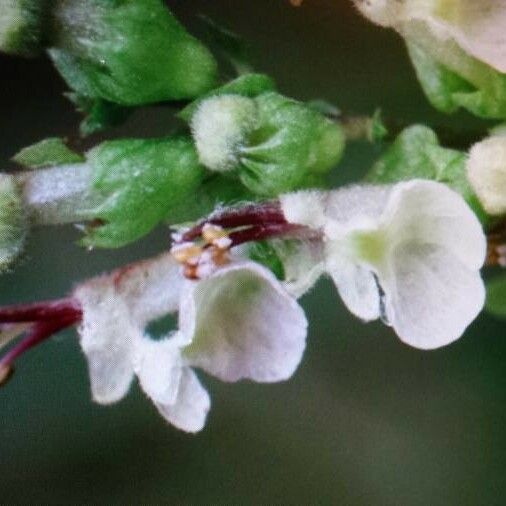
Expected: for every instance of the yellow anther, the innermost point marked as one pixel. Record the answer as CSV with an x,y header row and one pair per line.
x,y
183,253
212,233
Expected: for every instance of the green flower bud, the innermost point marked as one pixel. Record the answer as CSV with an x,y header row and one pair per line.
x,y
417,154
138,183
129,52
272,143
21,26
13,225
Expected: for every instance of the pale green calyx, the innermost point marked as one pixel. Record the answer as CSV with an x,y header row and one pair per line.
x,y
220,128
13,226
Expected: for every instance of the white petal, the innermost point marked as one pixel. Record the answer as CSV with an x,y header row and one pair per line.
x,y
478,27
158,365
353,208
302,264
357,287
304,208
243,324
107,337
431,297
426,212
150,288
190,408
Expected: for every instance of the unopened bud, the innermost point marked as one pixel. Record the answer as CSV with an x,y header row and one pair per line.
x,y
273,144
486,171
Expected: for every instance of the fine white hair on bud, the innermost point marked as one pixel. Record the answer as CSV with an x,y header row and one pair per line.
x,y
220,127
408,253
486,171
13,224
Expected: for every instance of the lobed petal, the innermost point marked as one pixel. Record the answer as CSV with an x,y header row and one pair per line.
x,y
190,408
426,212
431,296
106,337
243,325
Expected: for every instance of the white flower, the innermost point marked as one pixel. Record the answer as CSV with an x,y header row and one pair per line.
x,y
486,171
476,26
410,253
239,323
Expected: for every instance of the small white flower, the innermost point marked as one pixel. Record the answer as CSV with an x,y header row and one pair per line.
x,y
239,323
476,26
486,171
410,253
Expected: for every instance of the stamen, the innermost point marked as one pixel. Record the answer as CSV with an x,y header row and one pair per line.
x,y
252,222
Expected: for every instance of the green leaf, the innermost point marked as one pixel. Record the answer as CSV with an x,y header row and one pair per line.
x,y
140,182
47,153
129,52
496,296
247,85
416,154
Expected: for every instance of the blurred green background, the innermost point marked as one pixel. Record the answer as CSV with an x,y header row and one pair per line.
x,y
365,420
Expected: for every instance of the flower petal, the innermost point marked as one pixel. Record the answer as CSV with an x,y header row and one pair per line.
x,y
190,408
150,288
158,365
107,337
302,265
431,297
426,212
356,286
243,324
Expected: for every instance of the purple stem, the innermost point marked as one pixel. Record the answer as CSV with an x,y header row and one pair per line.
x,y
40,311
48,318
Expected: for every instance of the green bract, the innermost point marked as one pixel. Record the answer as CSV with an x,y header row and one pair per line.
x,y
47,153
273,144
13,224
139,183
128,51
417,154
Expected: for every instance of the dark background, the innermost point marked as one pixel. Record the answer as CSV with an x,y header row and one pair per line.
x,y
366,420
